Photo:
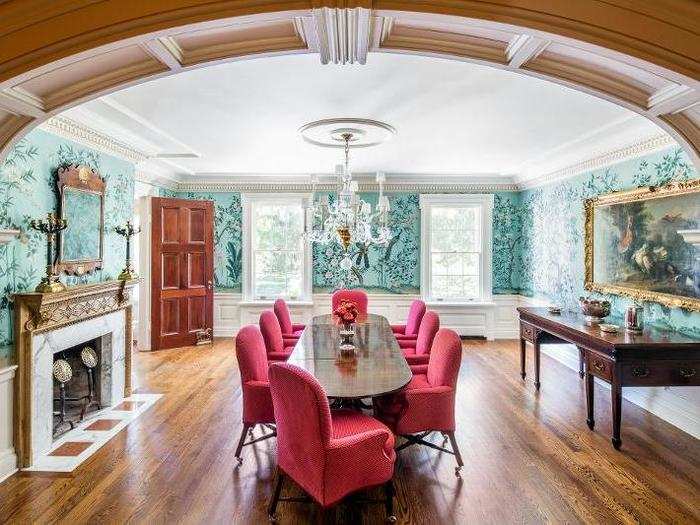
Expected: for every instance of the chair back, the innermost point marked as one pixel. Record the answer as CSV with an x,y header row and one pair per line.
x,y
251,354
271,331
445,358
283,316
429,326
303,425
359,297
415,316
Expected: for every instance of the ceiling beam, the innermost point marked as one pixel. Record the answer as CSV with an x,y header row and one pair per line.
x,y
15,103
166,50
672,99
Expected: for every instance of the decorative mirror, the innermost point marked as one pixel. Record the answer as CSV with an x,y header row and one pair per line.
x,y
81,193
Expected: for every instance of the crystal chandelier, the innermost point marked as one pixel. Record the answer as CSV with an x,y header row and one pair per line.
x,y
346,218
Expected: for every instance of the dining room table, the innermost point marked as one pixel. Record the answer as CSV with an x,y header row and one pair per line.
x,y
376,366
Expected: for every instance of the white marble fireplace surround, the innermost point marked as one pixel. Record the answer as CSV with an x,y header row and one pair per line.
x,y
110,328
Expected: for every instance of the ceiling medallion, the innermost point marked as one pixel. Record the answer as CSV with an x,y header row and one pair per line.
x,y
344,217
331,133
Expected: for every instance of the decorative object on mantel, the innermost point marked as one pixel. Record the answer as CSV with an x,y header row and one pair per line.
x,y
127,231
81,192
348,219
644,244
49,283
37,313
594,310
7,235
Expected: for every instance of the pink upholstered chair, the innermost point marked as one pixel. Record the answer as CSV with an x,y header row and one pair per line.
x,y
427,403
278,347
257,401
359,297
289,329
417,352
410,329
329,454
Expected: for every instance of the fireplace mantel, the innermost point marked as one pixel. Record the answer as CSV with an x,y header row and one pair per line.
x,y
37,313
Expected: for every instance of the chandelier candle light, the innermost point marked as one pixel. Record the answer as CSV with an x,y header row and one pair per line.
x,y
348,219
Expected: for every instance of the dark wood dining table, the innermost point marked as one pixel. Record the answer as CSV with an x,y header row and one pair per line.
x,y
377,366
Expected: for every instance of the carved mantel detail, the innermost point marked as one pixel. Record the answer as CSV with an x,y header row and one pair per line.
x,y
42,312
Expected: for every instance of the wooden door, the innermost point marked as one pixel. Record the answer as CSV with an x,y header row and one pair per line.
x,y
182,272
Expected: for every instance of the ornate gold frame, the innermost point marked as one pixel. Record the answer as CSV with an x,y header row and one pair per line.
x,y
639,194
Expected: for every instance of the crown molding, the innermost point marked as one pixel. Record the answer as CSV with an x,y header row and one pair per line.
x,y
262,187
631,151
77,132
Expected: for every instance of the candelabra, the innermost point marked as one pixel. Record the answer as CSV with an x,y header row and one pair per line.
x,y
128,231
49,283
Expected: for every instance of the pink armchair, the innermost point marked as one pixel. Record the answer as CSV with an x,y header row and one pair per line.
x,y
279,348
410,329
257,400
359,297
289,329
427,403
417,352
329,454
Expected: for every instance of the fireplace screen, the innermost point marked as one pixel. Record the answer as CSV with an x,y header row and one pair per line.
x,y
76,385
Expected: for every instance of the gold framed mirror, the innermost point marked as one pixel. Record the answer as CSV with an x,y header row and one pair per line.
x,y
81,192
645,244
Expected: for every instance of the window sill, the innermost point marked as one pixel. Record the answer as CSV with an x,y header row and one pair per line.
x,y
461,304
268,302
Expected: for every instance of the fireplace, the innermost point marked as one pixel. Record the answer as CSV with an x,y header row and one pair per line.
x,y
78,374
57,327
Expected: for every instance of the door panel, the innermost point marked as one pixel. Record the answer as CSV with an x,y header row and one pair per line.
x,y
182,297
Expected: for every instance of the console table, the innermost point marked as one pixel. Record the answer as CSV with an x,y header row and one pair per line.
x,y
652,358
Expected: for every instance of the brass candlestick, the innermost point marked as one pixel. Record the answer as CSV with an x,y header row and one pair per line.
x,y
49,283
127,231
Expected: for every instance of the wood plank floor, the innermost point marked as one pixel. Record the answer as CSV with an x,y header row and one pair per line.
x,y
529,457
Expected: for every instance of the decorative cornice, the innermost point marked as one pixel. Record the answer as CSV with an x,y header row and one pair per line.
x,y
72,130
631,151
306,187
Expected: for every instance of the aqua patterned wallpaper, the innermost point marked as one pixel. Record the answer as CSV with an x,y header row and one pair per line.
x,y
551,260
27,191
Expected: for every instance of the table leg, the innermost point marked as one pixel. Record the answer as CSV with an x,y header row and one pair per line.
x,y
616,395
536,345
589,400
580,362
522,358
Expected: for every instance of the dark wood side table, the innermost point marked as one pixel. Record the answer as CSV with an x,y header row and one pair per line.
x,y
652,358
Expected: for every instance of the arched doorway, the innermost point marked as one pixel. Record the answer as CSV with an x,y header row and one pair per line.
x,y
643,57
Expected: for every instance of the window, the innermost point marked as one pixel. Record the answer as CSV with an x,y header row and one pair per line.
x,y
456,247
277,262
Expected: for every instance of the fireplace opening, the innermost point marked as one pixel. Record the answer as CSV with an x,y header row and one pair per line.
x,y
77,385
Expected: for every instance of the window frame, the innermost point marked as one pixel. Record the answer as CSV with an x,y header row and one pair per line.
x,y
484,202
248,201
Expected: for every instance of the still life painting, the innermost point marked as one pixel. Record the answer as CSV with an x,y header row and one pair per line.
x,y
645,244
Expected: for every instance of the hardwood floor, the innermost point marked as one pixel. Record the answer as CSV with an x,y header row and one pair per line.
x,y
529,457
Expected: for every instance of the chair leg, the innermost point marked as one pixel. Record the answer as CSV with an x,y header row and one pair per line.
x,y
389,502
272,509
455,449
241,441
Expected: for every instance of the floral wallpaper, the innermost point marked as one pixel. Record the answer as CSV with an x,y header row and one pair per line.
x,y
27,191
551,260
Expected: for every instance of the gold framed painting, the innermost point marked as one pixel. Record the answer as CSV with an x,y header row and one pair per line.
x,y
645,244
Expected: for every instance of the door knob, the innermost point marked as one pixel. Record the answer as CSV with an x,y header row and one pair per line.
x,y
209,284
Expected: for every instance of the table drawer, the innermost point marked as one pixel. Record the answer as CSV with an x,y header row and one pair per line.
x,y
528,332
661,373
600,366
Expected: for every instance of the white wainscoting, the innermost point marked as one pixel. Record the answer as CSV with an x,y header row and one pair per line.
x,y
8,459
493,320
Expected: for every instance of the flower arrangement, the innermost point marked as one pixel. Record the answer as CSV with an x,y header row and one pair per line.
x,y
347,312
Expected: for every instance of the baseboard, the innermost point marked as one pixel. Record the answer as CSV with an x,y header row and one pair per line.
x,y
660,401
8,464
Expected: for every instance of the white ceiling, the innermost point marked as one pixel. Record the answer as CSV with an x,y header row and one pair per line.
x,y
452,118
